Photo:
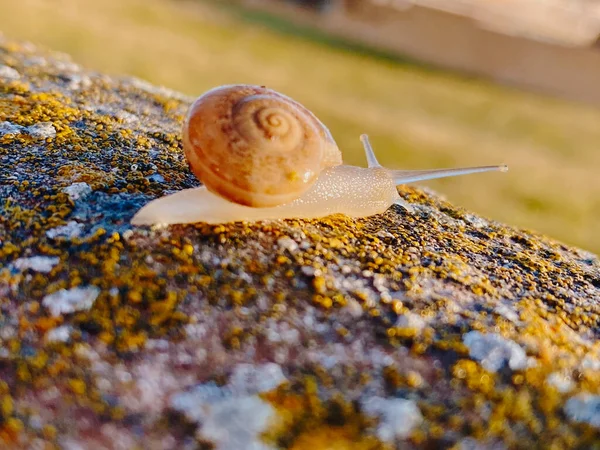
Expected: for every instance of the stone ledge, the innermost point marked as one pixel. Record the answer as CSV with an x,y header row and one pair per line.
x,y
436,329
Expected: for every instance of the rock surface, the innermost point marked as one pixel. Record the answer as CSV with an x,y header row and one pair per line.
x,y
434,329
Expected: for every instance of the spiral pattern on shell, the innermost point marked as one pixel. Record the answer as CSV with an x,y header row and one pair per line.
x,y
254,146
265,122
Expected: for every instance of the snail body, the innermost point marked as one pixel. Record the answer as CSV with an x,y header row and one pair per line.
x,y
354,191
255,146
263,156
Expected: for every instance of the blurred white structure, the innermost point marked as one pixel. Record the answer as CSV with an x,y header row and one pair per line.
x,y
571,22
550,46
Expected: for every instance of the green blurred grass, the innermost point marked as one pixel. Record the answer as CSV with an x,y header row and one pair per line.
x,y
417,117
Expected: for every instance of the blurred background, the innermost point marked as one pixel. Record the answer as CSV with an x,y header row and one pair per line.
x,y
435,83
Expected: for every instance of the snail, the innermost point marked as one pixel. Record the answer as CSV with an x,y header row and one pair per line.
x,y
261,155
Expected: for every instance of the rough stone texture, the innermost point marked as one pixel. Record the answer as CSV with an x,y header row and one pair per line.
x,y
323,334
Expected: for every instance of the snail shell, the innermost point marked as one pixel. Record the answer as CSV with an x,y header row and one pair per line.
x,y
256,147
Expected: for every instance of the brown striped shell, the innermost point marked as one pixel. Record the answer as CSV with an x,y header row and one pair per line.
x,y
254,146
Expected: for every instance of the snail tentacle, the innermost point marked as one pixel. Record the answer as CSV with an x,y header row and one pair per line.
x,y
411,176
369,152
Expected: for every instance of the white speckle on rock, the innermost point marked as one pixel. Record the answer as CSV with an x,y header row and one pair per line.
x,y
71,230
309,271
7,332
59,334
384,234
190,402
590,362
354,308
77,190
196,331
64,64
508,313
42,264
305,244
563,383
397,417
127,234
476,221
287,243
35,61
584,408
329,361
470,443
71,444
252,379
379,283
120,438
75,81
36,423
8,73
237,423
156,177
410,320
127,117
68,301
493,351
380,359
161,90
10,128
230,422
42,130
233,417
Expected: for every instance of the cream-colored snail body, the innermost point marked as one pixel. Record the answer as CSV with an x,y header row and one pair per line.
x,y
262,155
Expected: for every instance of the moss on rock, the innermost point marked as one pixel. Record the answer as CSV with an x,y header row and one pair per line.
x,y
435,329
